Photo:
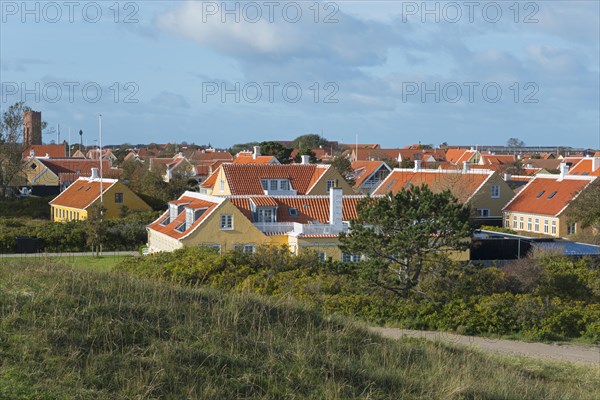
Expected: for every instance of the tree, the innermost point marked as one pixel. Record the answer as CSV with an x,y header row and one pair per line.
x,y
95,227
305,151
310,141
11,150
277,150
406,235
585,210
515,143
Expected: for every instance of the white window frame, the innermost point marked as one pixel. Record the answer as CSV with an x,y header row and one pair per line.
x,y
322,256
521,223
537,225
546,226
226,222
330,184
529,224
495,191
554,227
483,212
350,258
222,185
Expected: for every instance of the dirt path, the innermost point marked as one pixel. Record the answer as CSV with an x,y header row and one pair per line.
x,y
563,352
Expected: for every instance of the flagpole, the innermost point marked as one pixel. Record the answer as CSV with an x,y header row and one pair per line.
x,y
100,157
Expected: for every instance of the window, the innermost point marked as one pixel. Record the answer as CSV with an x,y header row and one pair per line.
x,y
507,222
495,191
322,256
552,195
273,184
521,223
293,212
249,248
515,222
180,228
265,214
554,227
226,221
265,184
529,224
119,197
540,194
33,166
216,247
546,226
483,212
330,184
284,185
571,229
537,225
222,185
348,258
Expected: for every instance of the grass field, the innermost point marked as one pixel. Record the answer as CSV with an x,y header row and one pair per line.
x,y
79,334
103,263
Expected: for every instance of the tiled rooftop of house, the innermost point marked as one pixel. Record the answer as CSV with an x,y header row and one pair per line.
x,y
547,194
463,185
587,166
193,201
43,150
82,193
364,169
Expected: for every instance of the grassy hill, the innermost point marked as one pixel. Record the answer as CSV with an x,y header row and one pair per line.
x,y
78,334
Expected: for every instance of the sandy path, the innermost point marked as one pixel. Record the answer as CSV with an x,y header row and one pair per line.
x,y
564,352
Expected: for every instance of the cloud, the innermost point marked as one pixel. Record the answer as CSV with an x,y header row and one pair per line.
x,y
170,100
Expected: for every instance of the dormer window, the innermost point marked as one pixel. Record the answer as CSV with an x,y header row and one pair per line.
x,y
277,186
266,214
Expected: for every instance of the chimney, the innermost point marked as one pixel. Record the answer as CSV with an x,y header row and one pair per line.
x,y
256,152
507,177
417,165
335,207
595,163
173,212
305,159
564,170
466,166
94,173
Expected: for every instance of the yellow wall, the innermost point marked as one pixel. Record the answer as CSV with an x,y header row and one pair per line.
x,y
243,233
65,214
483,198
130,200
561,226
113,209
320,187
47,178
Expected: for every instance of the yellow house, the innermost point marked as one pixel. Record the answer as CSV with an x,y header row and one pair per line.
x,y
73,203
539,208
483,189
303,223
275,180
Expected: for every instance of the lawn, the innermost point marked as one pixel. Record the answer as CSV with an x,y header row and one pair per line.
x,y
103,263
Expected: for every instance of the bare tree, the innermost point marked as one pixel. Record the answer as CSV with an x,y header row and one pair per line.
x,y
11,149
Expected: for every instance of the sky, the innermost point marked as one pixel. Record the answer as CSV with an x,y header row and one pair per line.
x,y
389,72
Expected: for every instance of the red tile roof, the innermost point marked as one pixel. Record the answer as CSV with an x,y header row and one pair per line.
x,y
245,179
41,150
82,193
462,185
249,159
585,167
498,159
190,202
546,195
75,165
309,208
364,169
376,154
201,155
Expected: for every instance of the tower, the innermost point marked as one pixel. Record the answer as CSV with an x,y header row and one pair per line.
x,y
32,128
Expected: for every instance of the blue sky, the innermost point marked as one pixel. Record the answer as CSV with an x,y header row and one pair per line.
x,y
390,71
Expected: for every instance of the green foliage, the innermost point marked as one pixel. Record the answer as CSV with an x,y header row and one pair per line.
x,y
497,229
29,207
74,334
546,298
406,235
277,150
309,141
344,167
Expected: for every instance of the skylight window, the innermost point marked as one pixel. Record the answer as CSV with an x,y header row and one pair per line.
x,y
88,188
407,184
552,195
540,194
293,212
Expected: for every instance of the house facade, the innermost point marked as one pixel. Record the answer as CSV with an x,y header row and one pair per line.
x,y
483,189
539,209
73,203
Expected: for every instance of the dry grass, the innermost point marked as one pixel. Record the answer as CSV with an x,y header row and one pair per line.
x,y
77,334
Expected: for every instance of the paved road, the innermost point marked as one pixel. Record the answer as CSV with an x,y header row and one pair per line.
x,y
87,253
589,355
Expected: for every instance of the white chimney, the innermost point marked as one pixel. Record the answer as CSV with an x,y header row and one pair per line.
x,y
564,170
335,208
466,166
305,159
256,152
507,177
417,165
32,153
595,163
94,173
